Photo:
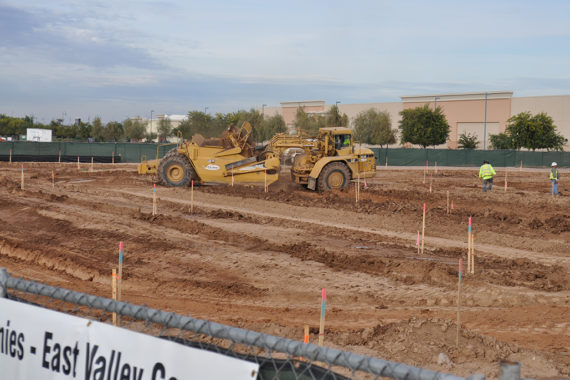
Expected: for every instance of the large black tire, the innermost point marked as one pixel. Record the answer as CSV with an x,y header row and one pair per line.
x,y
334,176
175,170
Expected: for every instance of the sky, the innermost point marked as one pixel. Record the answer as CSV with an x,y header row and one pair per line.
x,y
125,58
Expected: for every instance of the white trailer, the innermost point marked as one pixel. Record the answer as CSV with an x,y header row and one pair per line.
x,y
40,135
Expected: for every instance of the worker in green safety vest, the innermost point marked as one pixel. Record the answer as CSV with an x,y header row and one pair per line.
x,y
554,178
487,172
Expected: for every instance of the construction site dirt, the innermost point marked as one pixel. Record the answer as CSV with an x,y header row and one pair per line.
x,y
258,260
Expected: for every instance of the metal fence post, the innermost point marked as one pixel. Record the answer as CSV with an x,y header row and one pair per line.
x,y
509,370
3,283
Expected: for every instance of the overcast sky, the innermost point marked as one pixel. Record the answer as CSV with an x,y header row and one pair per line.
x,y
123,58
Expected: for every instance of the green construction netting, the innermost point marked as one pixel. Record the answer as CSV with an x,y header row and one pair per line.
x,y
128,152
135,152
451,157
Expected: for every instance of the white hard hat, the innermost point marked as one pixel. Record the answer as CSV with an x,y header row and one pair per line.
x,y
554,164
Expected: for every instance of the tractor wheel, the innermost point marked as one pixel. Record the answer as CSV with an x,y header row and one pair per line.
x,y
171,153
175,170
334,176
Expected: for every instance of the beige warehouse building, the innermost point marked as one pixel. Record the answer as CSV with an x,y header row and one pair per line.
x,y
478,113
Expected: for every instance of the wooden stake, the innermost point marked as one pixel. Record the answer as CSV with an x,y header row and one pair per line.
x,y
154,205
506,172
306,334
469,246
59,158
265,179
52,179
355,192
459,303
418,242
358,187
113,157
22,184
430,181
10,156
423,228
192,197
232,177
78,167
91,167
322,325
520,170
386,161
451,206
436,167
114,293
447,205
472,254
120,282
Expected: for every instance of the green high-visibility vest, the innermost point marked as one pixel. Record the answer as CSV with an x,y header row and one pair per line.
x,y
486,171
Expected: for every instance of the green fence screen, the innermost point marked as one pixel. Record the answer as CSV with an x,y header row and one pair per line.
x,y
135,152
452,157
41,151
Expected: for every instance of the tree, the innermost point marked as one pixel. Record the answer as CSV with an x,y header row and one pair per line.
x,y
468,141
98,131
309,123
424,126
12,126
534,132
501,141
271,126
135,129
164,129
113,131
372,127
335,119
83,131
197,122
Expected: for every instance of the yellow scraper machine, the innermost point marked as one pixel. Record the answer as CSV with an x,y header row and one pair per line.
x,y
328,161
230,156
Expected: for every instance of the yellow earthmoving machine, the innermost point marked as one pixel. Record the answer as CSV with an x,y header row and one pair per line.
x,y
329,161
231,158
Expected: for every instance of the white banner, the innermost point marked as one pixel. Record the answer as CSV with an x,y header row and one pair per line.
x,y
37,343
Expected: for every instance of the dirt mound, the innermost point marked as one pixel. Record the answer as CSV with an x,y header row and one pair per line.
x,y
422,340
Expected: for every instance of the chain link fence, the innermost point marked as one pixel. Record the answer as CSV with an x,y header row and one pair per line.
x,y
278,358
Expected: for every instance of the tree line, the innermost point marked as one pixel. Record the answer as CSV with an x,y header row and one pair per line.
x,y
425,126
422,126
137,129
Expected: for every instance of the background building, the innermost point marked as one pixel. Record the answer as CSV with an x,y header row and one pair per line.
x,y
477,113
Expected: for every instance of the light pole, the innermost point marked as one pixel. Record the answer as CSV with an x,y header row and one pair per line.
x,y
151,111
485,126
435,102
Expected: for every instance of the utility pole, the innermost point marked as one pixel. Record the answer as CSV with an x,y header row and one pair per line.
x,y
151,111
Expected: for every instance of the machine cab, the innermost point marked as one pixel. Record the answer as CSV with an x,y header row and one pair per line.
x,y
342,141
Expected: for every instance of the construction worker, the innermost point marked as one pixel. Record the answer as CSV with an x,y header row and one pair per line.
x,y
554,178
487,172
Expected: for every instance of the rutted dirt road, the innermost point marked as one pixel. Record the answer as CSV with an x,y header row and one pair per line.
x,y
259,260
